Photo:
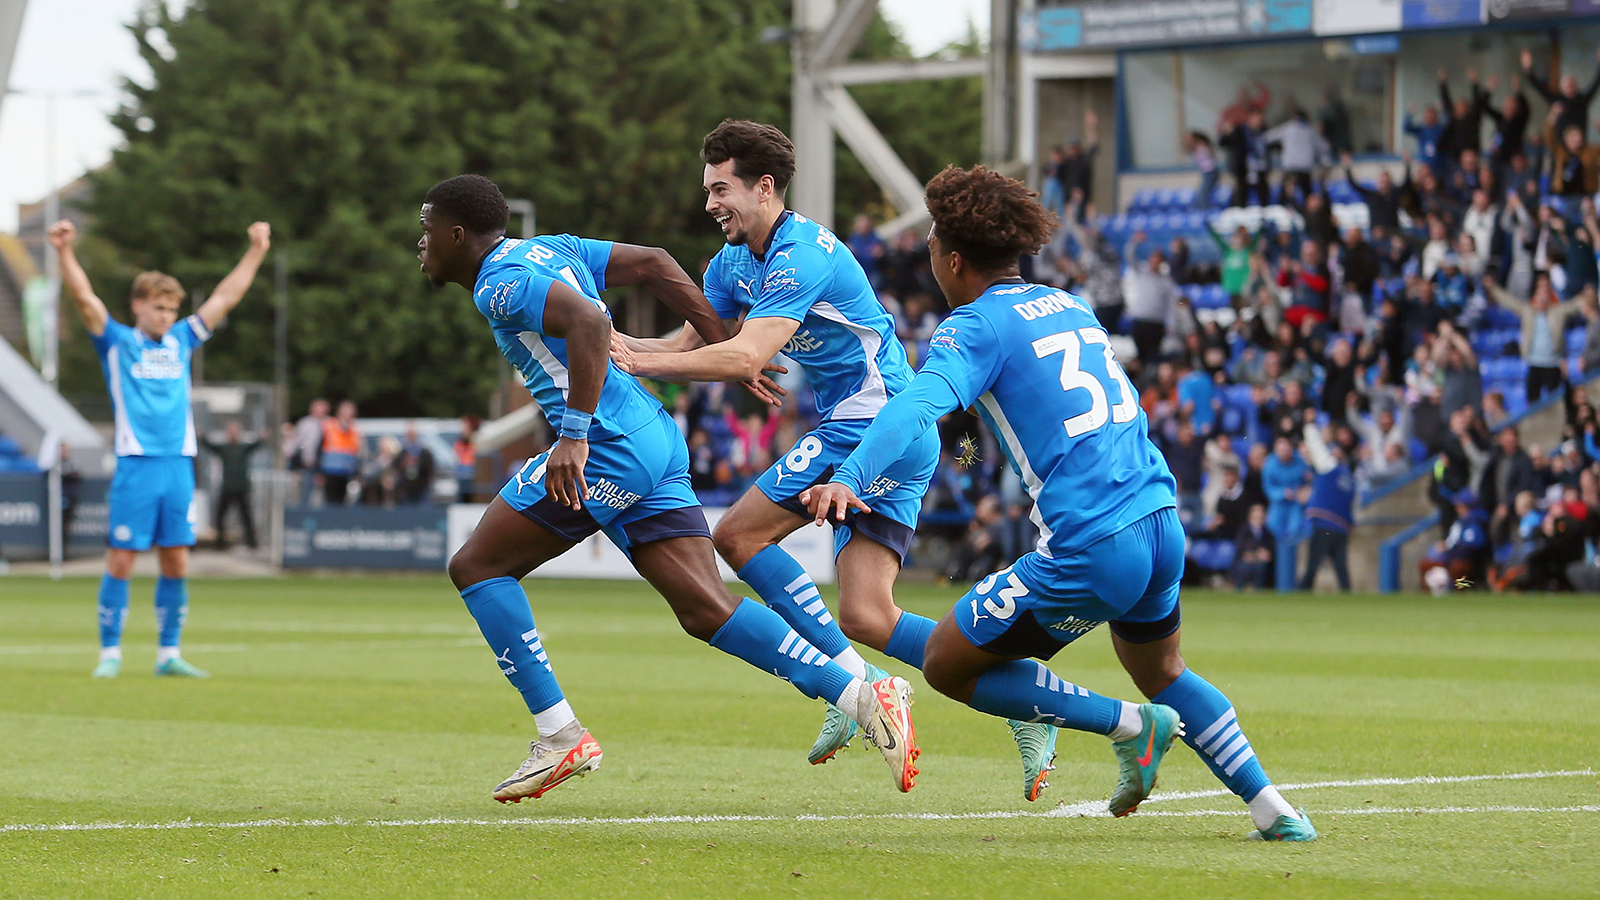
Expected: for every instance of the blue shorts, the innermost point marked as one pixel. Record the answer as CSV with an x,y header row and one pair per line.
x,y
150,501
895,497
639,490
1039,605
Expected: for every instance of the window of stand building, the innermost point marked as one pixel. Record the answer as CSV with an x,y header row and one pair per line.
x,y
1167,94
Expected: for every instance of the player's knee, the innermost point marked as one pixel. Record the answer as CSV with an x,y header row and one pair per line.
x,y
119,565
868,624
464,570
1159,674
734,545
703,618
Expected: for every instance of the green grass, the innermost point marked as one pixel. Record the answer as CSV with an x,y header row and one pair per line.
x,y
373,700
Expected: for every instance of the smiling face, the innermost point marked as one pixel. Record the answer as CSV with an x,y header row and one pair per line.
x,y
734,204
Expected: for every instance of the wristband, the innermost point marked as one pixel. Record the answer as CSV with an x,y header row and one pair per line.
x,y
575,424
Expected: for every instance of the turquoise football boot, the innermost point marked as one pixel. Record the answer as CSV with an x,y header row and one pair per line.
x,y
838,728
108,668
180,668
1139,757
1036,741
1288,828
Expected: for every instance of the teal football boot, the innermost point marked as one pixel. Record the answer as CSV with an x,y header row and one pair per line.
x,y
1139,757
1288,828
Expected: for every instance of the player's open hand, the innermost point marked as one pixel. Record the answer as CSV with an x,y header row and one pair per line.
x,y
63,234
832,499
563,474
622,354
764,388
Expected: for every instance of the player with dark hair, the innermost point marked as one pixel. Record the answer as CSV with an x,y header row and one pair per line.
x,y
620,464
1042,374
786,284
147,372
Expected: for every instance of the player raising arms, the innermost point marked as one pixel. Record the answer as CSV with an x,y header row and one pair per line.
x,y
620,464
147,372
1040,369
799,291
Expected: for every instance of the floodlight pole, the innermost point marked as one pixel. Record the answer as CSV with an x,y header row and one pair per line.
x,y
527,210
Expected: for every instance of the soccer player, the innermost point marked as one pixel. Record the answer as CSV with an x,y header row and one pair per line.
x,y
147,371
620,464
800,291
1040,369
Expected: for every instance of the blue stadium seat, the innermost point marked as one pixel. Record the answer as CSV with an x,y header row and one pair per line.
x,y
1221,196
1142,200
1185,197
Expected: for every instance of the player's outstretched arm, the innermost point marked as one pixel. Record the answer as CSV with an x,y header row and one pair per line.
x,y
231,290
577,320
63,235
742,357
655,268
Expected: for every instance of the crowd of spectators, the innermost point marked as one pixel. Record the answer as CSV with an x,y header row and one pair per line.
x,y
338,465
1350,357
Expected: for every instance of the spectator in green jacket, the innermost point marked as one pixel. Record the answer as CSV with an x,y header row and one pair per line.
x,y
234,491
1235,258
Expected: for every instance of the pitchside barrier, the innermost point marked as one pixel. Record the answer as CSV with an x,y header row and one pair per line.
x,y
25,523
424,537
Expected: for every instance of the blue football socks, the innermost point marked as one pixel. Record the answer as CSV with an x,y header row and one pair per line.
x,y
782,583
1027,691
172,608
910,639
1213,731
112,607
501,609
760,637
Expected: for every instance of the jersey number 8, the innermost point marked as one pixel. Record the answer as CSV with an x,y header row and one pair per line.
x,y
1070,345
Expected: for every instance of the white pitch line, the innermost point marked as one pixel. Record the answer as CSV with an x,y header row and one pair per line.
x,y
266,647
1083,809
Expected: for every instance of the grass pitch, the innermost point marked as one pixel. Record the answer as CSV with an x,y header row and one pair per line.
x,y
348,741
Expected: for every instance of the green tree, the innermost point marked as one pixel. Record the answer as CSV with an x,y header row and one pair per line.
x,y
332,117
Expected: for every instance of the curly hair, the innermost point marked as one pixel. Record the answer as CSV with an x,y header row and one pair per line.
x,y
755,149
472,201
986,217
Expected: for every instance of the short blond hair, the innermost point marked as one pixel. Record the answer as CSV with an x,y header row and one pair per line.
x,y
148,285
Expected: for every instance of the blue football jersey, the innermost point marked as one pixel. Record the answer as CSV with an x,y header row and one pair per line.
x,y
149,385
845,342
511,291
1040,369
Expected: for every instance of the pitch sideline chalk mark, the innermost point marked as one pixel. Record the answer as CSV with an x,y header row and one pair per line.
x,y
1082,809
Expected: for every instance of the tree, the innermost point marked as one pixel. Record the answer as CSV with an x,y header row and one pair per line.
x,y
331,118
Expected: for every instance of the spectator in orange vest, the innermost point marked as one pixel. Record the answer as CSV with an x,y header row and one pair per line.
x,y
339,458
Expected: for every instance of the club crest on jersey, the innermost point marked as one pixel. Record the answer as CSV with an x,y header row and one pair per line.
x,y
802,342
157,364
